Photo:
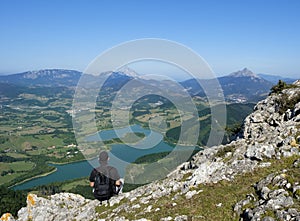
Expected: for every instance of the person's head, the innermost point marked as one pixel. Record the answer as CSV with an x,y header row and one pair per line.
x,y
103,157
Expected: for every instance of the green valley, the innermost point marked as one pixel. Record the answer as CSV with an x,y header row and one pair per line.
x,y
36,128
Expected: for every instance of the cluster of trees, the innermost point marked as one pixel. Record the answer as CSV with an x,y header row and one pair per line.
x,y
3,139
83,190
279,87
46,190
5,172
67,136
151,158
11,201
57,187
7,159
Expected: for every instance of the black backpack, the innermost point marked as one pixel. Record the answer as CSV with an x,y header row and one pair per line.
x,y
103,186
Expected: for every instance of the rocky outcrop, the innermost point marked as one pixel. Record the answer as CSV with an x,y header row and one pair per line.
x,y
271,132
275,195
63,206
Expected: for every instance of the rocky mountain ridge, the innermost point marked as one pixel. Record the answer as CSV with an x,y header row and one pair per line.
x,y
45,77
239,86
271,136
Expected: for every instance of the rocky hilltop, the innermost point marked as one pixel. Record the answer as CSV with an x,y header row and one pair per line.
x,y
255,177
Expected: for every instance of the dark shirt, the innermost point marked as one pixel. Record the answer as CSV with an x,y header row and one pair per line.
x,y
112,172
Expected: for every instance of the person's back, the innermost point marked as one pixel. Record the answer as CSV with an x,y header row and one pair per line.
x,y
105,179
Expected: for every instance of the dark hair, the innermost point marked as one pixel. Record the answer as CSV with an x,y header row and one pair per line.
x,y
103,156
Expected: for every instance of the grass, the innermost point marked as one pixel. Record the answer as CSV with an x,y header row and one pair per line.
x,y
17,155
42,141
133,137
19,168
206,204
222,152
70,185
9,177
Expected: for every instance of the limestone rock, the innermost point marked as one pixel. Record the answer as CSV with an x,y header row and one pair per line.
x,y
7,217
278,200
63,206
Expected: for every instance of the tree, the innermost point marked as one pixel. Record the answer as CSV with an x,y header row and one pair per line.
x,y
278,87
11,201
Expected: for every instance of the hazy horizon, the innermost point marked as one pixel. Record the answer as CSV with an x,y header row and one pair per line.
x,y
179,76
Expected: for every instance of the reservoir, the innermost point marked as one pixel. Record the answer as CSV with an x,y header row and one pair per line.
x,y
119,152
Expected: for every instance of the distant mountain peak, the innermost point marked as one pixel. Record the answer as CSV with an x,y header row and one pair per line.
x,y
244,73
129,72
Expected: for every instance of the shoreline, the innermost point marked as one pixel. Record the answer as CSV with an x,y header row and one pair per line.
x,y
34,177
48,173
64,163
87,159
165,139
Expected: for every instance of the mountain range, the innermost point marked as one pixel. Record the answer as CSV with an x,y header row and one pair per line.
x,y
47,77
239,86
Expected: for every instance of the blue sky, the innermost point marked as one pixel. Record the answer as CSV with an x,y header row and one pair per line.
x,y
263,35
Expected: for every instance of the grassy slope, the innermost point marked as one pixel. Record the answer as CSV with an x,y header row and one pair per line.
x,y
203,206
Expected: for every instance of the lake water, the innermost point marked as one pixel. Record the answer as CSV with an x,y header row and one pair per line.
x,y
120,156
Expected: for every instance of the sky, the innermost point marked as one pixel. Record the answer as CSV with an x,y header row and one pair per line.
x,y
262,35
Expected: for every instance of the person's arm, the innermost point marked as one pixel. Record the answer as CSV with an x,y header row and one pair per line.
x,y
115,176
92,178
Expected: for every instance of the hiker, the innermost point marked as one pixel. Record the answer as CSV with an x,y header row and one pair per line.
x,y
105,179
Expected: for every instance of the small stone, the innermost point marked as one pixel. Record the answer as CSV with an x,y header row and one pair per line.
x,y
288,185
265,192
293,212
133,199
148,209
181,218
296,163
190,194
268,218
287,216
136,206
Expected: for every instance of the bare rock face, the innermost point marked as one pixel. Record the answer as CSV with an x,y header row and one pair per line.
x,y
63,206
270,132
266,124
